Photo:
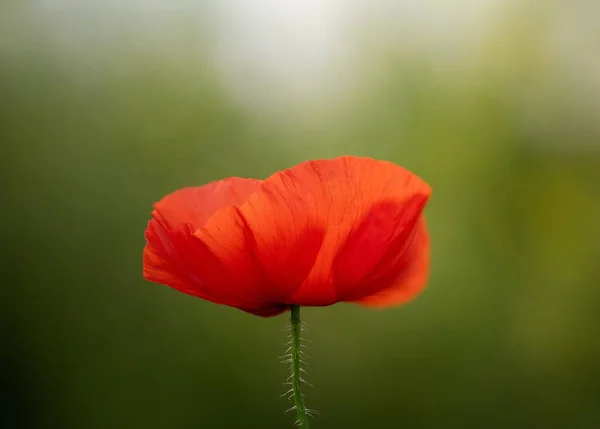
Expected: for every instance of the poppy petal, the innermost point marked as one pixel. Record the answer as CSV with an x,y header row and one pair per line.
x,y
175,257
232,270
410,281
195,205
370,208
378,248
273,229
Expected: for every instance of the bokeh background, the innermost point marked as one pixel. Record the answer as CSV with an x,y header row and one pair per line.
x,y
105,106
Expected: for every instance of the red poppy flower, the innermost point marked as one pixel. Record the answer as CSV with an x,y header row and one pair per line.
x,y
348,229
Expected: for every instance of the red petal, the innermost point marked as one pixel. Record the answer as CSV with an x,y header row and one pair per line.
x,y
369,209
410,281
377,248
175,257
196,205
273,229
233,271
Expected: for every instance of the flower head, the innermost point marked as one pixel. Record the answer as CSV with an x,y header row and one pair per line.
x,y
348,229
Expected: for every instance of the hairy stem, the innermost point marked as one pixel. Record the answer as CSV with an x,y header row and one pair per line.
x,y
296,376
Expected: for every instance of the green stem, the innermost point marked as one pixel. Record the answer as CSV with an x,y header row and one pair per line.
x,y
296,376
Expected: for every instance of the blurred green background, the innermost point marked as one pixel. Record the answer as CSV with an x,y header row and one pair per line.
x,y
107,106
